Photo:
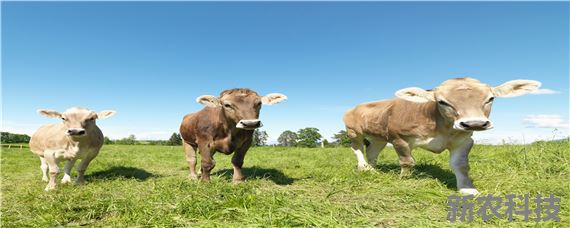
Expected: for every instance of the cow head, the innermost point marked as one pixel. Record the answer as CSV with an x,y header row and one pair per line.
x,y
467,102
241,106
77,120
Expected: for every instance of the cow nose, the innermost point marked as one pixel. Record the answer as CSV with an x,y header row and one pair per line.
x,y
249,124
476,124
75,131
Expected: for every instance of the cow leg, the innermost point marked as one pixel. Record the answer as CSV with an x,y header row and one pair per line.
x,y
82,166
237,162
405,154
67,171
357,147
191,159
207,161
44,168
52,163
459,163
373,150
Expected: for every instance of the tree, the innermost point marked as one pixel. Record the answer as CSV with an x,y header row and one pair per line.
x,y
308,137
326,143
259,138
175,139
342,139
287,138
7,137
131,140
107,140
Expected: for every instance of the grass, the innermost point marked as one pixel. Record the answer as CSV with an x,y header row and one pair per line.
x,y
148,186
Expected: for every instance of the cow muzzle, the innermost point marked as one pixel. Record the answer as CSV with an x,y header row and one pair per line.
x,y
473,124
249,124
75,132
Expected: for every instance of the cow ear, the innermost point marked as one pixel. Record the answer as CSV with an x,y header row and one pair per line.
x,y
273,98
208,100
105,114
415,94
516,88
49,113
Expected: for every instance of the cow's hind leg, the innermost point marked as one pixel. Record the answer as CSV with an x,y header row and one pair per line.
x,y
191,159
67,171
373,150
44,168
405,154
357,147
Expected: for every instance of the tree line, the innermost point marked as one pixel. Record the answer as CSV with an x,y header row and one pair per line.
x,y
310,137
7,137
305,137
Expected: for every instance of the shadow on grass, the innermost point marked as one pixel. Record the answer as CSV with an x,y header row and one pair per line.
x,y
274,175
116,172
421,171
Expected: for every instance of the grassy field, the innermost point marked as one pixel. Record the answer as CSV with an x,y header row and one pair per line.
x,y
148,186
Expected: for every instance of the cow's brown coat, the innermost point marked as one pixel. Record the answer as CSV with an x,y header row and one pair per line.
x,y
214,129
436,120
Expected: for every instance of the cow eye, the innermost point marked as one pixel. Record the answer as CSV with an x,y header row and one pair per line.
x,y
443,103
490,100
63,118
227,105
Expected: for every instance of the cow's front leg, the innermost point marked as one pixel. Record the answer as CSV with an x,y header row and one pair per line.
x,y
67,171
404,151
207,162
459,163
51,160
82,166
237,162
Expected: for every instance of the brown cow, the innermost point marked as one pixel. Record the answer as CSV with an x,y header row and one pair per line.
x,y
435,120
226,125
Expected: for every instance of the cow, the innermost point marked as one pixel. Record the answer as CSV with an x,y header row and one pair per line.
x,y
76,137
438,119
225,125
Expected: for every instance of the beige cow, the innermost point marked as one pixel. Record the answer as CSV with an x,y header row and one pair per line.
x,y
435,120
77,137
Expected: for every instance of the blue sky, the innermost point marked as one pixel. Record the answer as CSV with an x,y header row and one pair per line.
x,y
149,61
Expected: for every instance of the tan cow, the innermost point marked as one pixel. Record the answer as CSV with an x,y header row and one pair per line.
x,y
225,125
436,120
77,137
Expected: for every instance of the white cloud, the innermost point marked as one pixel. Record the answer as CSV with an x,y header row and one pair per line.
x,y
545,121
544,91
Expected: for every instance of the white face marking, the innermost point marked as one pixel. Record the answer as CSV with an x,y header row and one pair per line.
x,y
243,124
457,125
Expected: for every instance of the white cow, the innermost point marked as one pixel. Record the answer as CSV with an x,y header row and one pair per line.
x,y
77,137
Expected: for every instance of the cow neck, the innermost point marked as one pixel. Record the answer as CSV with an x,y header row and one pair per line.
x,y
226,122
440,121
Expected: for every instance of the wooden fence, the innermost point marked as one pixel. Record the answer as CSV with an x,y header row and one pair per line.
x,y
14,146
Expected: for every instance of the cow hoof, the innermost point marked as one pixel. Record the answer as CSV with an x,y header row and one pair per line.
x,y
237,181
80,182
192,176
469,191
66,180
45,179
49,187
366,167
